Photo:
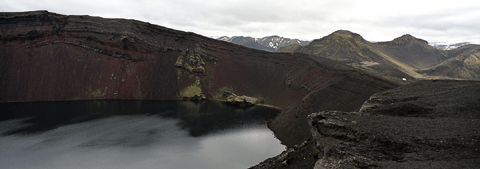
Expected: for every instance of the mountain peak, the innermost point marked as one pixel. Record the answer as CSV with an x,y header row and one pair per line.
x,y
342,32
341,37
341,45
404,39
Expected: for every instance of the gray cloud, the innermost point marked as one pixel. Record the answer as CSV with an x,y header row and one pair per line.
x,y
375,20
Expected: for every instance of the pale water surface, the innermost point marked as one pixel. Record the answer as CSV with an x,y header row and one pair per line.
x,y
134,134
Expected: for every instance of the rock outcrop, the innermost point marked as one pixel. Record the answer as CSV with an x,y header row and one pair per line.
x,y
191,62
198,97
233,99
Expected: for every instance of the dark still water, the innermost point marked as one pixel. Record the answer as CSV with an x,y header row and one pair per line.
x,y
124,134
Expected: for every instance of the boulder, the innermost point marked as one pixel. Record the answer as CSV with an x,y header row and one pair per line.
x,y
233,99
198,97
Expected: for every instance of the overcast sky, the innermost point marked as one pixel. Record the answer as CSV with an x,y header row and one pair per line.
x,y
376,20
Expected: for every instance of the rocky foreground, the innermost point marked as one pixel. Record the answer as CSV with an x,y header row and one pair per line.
x,y
427,124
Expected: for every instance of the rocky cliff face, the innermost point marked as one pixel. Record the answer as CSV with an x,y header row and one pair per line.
x,y
49,57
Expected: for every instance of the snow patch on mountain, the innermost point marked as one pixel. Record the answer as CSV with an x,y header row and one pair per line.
x,y
445,46
271,43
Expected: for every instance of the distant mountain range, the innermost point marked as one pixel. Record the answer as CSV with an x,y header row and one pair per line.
x,y
273,43
269,43
445,46
404,57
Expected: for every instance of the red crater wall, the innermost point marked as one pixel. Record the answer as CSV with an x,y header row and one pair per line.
x,y
52,57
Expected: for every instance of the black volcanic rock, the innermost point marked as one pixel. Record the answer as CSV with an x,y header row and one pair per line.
x,y
427,124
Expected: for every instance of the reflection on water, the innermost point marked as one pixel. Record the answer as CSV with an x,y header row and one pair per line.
x,y
134,134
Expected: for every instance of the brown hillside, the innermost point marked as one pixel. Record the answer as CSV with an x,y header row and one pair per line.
x,y
463,64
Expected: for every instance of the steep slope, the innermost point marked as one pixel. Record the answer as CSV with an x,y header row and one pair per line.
x,y
269,43
463,64
49,57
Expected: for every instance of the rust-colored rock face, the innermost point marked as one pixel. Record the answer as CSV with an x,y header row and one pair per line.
x,y
49,57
